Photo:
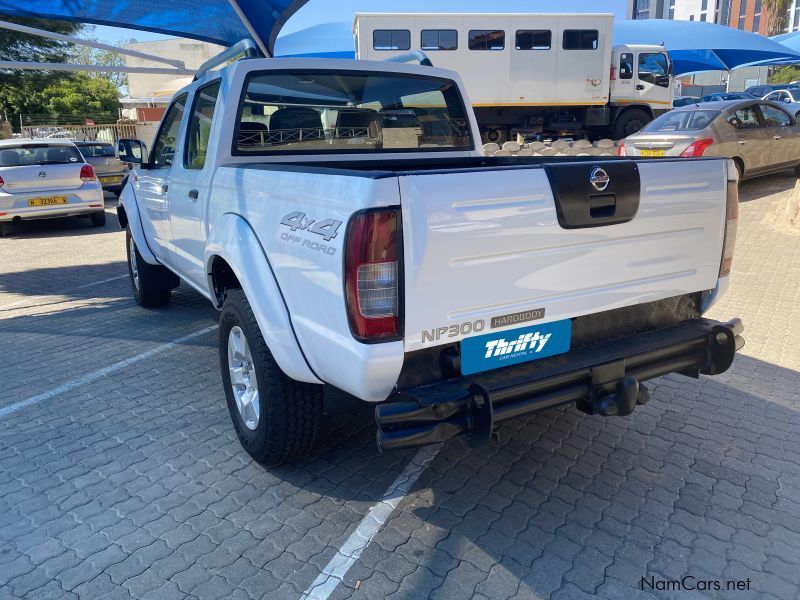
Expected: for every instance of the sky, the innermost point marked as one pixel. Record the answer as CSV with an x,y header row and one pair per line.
x,y
327,11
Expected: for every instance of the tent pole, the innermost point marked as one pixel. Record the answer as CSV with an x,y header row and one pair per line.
x,y
249,26
91,43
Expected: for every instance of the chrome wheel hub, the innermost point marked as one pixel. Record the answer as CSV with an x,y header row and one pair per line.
x,y
243,378
133,263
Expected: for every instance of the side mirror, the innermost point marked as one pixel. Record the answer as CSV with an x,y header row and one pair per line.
x,y
132,151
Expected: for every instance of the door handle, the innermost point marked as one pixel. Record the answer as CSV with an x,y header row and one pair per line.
x,y
639,86
193,194
164,188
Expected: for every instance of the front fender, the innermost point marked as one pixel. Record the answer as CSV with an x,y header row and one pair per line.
x,y
234,241
128,215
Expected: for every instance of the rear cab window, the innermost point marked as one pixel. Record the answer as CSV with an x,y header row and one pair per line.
x,y
681,120
39,154
97,150
319,112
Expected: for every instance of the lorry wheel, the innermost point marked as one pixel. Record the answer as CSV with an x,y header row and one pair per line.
x,y
152,284
98,219
630,122
276,418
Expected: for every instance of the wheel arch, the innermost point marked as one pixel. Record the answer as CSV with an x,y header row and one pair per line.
x,y
128,216
235,258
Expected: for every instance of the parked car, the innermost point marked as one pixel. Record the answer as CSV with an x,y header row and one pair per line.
x,y
44,179
109,168
343,217
789,98
761,137
685,101
722,96
762,90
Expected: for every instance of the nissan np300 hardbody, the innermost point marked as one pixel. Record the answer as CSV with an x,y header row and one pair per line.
x,y
342,217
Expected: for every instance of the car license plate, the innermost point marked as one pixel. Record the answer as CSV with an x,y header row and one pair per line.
x,y
47,201
652,152
514,346
110,179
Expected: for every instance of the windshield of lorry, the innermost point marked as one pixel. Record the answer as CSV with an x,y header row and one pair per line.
x,y
324,112
38,154
681,120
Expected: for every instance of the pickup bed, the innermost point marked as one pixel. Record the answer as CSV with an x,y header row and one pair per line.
x,y
341,216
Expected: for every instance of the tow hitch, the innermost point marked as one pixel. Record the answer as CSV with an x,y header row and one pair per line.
x,y
603,380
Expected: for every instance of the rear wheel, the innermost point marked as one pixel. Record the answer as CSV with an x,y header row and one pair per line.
x,y
98,219
151,284
796,174
276,418
630,122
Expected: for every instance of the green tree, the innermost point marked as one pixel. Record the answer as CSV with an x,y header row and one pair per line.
x,y
785,75
81,94
19,90
84,55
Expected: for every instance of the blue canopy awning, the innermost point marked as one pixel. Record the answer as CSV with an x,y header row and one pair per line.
x,y
699,46
222,22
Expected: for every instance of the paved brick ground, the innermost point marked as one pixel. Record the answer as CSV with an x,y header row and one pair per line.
x,y
133,486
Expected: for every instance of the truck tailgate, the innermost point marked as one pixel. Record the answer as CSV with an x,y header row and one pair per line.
x,y
480,245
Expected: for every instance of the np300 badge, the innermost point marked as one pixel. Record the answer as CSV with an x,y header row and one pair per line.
x,y
494,350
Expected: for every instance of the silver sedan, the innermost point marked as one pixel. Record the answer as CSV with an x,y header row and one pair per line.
x,y
760,136
44,179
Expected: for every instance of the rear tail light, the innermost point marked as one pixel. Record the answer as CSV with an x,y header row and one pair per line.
x,y
87,173
696,148
372,275
621,150
613,74
731,219
2,183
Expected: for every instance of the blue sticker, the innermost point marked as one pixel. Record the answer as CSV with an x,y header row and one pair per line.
x,y
514,346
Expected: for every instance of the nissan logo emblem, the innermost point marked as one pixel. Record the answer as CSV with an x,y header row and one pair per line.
x,y
42,174
599,179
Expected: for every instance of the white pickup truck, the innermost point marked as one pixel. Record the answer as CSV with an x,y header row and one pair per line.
x,y
342,217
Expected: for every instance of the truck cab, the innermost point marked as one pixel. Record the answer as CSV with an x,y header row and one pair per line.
x,y
641,85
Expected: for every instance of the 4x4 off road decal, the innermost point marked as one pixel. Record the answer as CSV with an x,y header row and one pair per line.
x,y
495,350
298,222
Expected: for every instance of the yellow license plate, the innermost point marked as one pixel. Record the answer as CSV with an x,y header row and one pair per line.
x,y
110,179
47,201
652,152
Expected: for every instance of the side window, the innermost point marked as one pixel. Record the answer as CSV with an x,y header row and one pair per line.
x,y
626,65
744,118
487,39
534,39
653,68
772,96
167,138
205,99
580,39
775,117
391,39
439,39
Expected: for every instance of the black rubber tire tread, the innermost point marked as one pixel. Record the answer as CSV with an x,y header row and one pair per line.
x,y
98,219
629,115
796,174
155,281
3,229
290,411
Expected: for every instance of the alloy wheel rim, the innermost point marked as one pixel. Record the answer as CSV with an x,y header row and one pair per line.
x,y
133,263
243,378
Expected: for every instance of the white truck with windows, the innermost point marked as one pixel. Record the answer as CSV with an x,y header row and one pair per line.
x,y
533,74
342,217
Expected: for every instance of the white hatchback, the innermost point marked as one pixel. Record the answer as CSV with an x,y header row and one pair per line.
x,y
45,179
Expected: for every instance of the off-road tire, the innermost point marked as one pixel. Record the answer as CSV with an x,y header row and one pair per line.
x,y
630,122
155,283
290,411
98,219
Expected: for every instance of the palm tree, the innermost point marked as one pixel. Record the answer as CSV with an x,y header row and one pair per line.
x,y
776,15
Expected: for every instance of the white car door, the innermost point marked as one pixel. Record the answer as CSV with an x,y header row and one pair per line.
x,y
189,188
152,180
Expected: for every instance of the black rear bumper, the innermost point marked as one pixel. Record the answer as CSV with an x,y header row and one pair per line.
x,y
601,379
